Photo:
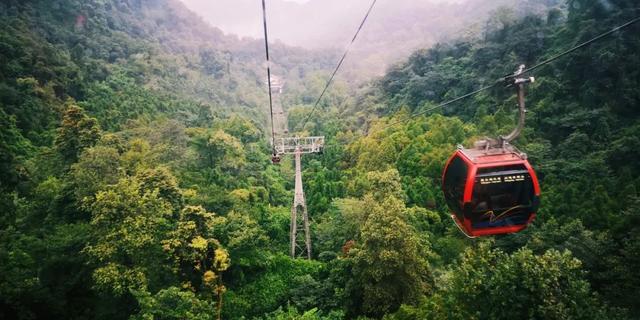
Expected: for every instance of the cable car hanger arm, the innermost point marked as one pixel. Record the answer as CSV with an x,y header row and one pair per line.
x,y
503,141
519,82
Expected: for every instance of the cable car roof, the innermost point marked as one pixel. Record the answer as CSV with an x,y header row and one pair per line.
x,y
493,155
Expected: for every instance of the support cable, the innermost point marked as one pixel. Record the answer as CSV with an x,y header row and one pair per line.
x,y
339,65
487,87
508,77
505,78
266,48
582,45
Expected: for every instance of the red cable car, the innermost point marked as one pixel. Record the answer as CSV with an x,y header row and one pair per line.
x,y
275,158
492,189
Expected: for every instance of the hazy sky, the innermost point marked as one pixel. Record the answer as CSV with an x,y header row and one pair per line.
x,y
244,17
394,29
241,17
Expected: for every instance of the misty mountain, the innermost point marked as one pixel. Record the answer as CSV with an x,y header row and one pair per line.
x,y
394,29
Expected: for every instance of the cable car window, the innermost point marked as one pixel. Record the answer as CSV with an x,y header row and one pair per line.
x,y
502,196
454,182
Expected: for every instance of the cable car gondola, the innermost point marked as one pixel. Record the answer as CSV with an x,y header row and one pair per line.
x,y
275,158
492,189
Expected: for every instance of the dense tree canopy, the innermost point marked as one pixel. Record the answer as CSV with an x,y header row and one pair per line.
x,y
136,182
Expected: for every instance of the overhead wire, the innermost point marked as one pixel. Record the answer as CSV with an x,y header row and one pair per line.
x,y
335,71
526,70
441,105
266,48
584,44
507,77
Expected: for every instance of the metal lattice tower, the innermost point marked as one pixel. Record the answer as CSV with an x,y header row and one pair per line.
x,y
296,146
299,232
299,229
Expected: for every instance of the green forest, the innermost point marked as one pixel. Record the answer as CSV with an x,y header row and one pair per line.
x,y
136,179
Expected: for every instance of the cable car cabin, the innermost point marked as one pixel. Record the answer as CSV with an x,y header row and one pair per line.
x,y
490,191
275,159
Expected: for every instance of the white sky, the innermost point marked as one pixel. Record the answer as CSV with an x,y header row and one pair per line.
x,y
244,17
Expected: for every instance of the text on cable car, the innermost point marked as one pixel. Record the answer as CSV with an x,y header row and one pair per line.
x,y
511,178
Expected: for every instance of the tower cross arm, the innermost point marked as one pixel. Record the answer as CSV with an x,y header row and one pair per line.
x,y
291,145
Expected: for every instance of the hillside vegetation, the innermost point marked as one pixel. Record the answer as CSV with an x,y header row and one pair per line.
x,y
136,181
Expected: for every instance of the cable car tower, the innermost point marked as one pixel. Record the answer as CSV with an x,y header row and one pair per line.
x,y
296,146
299,232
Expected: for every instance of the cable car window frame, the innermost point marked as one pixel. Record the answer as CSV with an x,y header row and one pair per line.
x,y
458,168
523,205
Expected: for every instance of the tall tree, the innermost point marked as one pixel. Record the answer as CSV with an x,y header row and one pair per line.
x,y
388,261
128,223
77,132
